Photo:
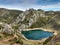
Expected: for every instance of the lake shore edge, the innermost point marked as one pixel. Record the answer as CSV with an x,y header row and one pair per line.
x,y
42,40
43,29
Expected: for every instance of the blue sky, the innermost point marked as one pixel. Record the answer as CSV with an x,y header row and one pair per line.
x,y
26,4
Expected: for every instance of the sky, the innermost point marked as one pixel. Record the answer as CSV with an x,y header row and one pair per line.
x,y
26,4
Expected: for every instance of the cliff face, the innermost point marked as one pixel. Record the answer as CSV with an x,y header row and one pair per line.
x,y
38,18
27,18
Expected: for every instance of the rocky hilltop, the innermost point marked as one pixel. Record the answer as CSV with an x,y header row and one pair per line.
x,y
13,21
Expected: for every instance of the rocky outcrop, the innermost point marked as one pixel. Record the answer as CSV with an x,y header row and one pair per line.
x,y
27,18
6,28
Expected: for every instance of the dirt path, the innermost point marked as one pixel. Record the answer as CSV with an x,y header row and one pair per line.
x,y
10,38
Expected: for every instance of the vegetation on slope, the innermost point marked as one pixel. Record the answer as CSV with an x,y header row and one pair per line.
x,y
48,18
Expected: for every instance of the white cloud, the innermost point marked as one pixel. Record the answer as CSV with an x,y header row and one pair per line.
x,y
30,4
54,6
58,3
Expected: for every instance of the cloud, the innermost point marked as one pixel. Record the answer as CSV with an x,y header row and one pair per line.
x,y
45,7
51,6
26,4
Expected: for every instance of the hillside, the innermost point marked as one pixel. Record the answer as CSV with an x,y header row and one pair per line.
x,y
8,16
13,21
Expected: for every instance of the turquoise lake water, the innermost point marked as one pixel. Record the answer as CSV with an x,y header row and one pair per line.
x,y
36,34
